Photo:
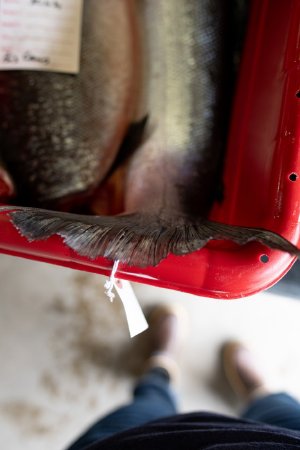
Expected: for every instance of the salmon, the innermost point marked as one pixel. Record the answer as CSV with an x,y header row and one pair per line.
x,y
60,133
173,178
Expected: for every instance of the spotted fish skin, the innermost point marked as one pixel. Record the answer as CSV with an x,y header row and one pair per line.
x,y
60,133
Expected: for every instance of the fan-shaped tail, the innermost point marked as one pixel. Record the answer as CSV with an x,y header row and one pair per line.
x,y
135,239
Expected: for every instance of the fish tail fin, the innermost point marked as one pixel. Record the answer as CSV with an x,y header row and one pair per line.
x,y
135,239
243,235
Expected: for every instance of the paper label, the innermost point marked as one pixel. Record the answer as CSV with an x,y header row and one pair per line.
x,y
40,35
136,320
135,317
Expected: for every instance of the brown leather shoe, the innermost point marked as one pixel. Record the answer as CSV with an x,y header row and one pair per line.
x,y
166,325
242,371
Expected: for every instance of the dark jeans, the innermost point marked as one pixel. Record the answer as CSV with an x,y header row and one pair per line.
x,y
279,409
154,398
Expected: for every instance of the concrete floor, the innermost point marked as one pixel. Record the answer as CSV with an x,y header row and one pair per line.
x,y
66,356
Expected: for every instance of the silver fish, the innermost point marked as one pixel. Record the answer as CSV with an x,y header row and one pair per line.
x,y
171,179
60,133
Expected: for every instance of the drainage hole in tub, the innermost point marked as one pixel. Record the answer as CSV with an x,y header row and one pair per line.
x,y
298,94
264,259
293,177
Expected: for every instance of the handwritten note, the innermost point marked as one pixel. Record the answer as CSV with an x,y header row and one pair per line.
x,y
40,35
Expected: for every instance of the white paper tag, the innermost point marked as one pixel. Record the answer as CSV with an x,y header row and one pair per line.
x,y
40,35
136,320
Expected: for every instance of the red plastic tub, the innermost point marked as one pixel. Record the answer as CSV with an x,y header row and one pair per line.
x,y
262,175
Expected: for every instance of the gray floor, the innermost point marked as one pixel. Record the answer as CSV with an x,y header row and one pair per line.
x,y
66,356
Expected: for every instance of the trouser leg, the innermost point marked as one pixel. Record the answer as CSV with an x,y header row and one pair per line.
x,y
153,397
275,409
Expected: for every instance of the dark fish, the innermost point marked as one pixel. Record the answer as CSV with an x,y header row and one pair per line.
x,y
171,179
60,133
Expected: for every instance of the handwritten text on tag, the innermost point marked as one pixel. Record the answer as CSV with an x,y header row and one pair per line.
x,y
40,35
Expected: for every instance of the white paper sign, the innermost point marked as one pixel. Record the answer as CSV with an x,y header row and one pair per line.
x,y
136,320
135,317
40,35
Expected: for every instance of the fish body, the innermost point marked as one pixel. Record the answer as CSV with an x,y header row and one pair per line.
x,y
60,133
187,96
173,178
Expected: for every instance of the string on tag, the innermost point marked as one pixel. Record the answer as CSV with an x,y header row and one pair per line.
x,y
110,283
